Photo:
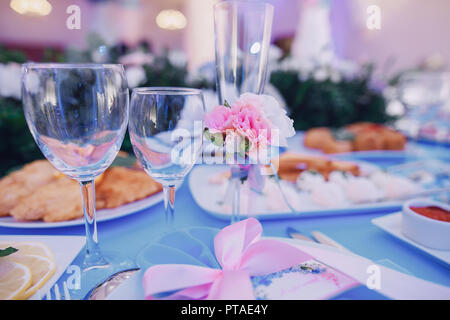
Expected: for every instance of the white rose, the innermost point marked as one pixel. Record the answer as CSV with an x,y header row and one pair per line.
x,y
10,80
177,58
335,76
275,114
275,53
346,67
135,76
136,58
320,74
271,90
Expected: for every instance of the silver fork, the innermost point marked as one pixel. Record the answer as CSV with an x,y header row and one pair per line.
x,y
57,293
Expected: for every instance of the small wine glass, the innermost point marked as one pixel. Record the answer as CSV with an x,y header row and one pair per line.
x,y
78,115
423,93
166,131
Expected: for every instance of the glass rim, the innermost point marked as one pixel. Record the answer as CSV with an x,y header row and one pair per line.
x,y
56,65
166,91
243,3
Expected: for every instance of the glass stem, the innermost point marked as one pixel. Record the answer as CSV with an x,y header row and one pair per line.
x,y
94,257
236,212
236,196
169,204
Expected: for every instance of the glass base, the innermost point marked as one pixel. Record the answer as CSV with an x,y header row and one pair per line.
x,y
92,276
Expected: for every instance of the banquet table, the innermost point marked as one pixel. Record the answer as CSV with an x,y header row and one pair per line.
x,y
130,233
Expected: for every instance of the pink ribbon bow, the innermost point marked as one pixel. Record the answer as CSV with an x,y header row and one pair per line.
x,y
241,254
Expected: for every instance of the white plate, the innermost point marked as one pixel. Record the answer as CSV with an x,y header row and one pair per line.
x,y
64,248
392,224
209,195
102,215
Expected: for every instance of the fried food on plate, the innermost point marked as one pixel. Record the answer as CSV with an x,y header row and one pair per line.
x,y
368,140
23,182
394,140
322,138
121,185
361,136
315,138
59,200
290,165
40,192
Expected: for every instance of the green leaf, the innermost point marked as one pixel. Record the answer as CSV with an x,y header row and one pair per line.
x,y
207,134
7,251
226,104
217,139
244,146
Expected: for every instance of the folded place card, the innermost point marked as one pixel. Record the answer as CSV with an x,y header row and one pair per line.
x,y
311,280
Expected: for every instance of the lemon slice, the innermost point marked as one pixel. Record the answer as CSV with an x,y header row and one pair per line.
x,y
15,279
32,248
41,268
6,244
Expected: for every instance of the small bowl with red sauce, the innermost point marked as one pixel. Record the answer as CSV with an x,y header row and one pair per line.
x,y
427,222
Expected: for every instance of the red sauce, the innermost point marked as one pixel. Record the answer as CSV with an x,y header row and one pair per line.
x,y
433,212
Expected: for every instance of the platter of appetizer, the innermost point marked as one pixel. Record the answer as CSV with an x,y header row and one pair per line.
x,y
305,186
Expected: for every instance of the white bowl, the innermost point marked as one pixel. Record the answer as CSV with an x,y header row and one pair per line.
x,y
423,230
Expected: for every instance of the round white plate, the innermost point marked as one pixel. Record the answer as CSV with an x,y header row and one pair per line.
x,y
102,215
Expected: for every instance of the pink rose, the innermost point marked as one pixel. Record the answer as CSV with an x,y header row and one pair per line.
x,y
248,122
219,119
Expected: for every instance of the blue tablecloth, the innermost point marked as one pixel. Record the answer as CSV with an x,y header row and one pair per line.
x,y
356,232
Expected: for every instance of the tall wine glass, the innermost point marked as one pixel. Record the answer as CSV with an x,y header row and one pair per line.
x,y
166,131
423,93
242,40
242,31
78,115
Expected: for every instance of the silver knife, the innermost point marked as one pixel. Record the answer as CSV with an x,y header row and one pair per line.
x,y
324,239
296,234
318,237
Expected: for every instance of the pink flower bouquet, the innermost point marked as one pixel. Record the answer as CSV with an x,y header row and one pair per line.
x,y
248,130
249,126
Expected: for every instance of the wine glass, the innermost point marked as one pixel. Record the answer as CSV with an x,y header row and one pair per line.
x,y
78,115
423,93
242,32
166,131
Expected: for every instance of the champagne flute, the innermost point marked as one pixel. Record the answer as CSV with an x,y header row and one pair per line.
x,y
78,115
423,94
242,31
166,131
